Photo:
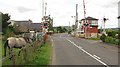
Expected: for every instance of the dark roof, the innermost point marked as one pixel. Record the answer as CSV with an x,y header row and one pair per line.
x,y
35,26
90,18
23,22
23,26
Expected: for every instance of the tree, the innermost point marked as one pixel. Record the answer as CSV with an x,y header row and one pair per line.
x,y
5,23
64,29
59,29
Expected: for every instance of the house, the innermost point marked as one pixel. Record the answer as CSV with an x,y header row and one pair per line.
x,y
21,26
90,30
35,27
26,26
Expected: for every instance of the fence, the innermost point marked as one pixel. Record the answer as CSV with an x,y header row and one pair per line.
x,y
25,54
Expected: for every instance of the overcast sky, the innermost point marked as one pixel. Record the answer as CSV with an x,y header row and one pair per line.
x,y
62,10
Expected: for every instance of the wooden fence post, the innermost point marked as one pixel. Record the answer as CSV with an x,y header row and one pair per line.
x,y
25,54
13,59
22,56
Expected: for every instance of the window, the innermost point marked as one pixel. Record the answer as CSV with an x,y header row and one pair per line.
x,y
94,23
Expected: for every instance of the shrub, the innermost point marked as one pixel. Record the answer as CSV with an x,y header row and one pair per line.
x,y
111,40
112,33
117,42
103,37
107,39
69,32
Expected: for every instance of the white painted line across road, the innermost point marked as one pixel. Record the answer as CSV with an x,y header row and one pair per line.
x,y
60,35
96,56
93,56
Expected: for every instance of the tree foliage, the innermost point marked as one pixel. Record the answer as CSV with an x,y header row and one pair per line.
x,y
112,33
61,30
103,37
5,23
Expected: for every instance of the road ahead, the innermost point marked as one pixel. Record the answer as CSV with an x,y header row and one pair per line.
x,y
69,50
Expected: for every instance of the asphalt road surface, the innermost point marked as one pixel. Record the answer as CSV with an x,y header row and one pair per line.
x,y
69,50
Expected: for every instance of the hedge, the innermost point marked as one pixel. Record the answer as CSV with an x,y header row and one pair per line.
x,y
111,40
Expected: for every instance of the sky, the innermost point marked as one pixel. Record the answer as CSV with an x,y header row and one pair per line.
x,y
62,10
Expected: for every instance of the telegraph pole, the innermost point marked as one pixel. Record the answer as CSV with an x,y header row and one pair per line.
x,y
76,18
85,19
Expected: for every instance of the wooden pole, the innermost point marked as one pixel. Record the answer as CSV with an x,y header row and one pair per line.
x,y
13,59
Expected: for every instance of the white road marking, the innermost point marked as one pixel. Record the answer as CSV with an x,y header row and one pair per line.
x,y
52,42
60,35
93,56
96,56
54,55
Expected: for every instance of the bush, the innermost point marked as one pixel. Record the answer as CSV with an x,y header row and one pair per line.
x,y
69,32
103,37
107,39
111,40
112,33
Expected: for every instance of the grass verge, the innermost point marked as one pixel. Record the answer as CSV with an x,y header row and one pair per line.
x,y
40,56
93,39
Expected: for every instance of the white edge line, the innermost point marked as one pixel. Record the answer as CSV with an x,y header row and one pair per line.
x,y
54,55
52,42
93,56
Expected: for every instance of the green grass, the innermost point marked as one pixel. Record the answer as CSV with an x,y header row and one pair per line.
x,y
41,56
0,48
93,39
0,51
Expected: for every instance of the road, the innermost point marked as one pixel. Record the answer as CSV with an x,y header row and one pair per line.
x,y
69,50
